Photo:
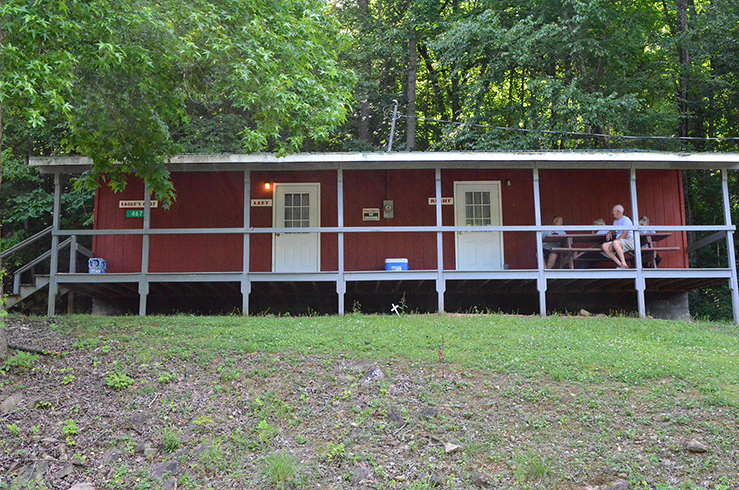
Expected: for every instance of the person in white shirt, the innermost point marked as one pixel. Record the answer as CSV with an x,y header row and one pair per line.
x,y
619,242
549,256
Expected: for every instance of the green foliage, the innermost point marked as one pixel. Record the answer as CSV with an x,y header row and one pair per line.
x,y
170,442
118,381
20,363
70,428
279,469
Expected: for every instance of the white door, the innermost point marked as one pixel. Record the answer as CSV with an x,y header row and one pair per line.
x,y
296,206
478,204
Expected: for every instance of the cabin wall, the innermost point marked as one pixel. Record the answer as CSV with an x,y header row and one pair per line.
x,y
216,200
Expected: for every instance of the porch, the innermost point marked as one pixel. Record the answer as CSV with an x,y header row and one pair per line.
x,y
443,287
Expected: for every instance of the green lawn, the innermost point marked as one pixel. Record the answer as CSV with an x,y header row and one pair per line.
x,y
701,356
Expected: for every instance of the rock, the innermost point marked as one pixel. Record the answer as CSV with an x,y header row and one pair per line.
x,y
110,455
3,344
618,485
450,448
150,452
140,448
67,470
428,413
361,366
82,486
137,420
695,446
360,475
482,481
166,468
11,403
169,484
584,312
31,474
374,375
394,418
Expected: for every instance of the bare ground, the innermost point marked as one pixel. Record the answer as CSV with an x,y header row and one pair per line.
x,y
99,415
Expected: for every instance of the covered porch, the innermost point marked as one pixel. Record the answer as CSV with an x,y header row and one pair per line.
x,y
529,289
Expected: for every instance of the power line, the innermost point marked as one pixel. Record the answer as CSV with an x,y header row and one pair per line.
x,y
566,133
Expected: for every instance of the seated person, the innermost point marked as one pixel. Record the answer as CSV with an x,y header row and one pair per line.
x,y
619,242
550,257
644,221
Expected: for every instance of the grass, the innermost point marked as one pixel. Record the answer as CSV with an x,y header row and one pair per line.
x,y
701,356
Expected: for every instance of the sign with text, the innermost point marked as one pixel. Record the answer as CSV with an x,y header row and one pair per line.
x,y
136,204
445,201
370,214
134,213
261,203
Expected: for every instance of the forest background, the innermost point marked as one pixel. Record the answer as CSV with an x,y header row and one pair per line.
x,y
133,81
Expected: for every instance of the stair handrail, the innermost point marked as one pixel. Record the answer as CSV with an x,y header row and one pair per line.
x,y
25,242
37,260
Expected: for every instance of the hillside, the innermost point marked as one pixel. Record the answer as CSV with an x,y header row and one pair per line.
x,y
105,414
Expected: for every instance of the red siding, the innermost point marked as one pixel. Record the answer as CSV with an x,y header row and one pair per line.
x,y
216,200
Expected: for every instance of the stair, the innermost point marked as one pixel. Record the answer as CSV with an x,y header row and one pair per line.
x,y
26,291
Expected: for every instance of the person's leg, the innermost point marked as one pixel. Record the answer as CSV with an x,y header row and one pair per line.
x,y
608,250
618,248
551,260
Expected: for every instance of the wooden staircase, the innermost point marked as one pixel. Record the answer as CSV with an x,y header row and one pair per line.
x,y
27,292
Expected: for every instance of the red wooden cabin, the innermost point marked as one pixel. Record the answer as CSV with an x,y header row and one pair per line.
x,y
468,225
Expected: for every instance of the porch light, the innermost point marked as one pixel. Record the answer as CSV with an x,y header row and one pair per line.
x,y
267,186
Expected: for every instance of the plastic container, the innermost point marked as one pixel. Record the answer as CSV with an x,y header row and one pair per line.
x,y
396,264
96,266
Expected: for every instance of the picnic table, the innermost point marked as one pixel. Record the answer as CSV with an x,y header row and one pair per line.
x,y
582,246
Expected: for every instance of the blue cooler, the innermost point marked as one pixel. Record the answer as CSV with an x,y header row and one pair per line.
x,y
396,264
96,266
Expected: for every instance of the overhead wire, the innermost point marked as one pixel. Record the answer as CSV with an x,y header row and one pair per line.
x,y
565,133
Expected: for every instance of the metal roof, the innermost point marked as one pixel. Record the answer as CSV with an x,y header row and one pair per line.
x,y
399,160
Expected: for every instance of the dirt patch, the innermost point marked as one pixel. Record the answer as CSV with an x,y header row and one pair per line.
x,y
99,414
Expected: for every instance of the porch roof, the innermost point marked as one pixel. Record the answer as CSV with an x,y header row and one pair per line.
x,y
625,159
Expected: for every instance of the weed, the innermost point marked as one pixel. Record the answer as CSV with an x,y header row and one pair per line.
x,y
68,379
14,429
70,428
119,381
265,431
531,467
21,362
279,469
165,378
170,442
334,452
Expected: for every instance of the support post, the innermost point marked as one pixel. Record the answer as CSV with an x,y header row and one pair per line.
x,y
730,246
72,270
340,282
245,281
53,268
640,281
144,280
440,279
541,280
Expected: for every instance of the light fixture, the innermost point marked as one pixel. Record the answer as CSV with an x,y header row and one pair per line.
x,y
508,182
267,186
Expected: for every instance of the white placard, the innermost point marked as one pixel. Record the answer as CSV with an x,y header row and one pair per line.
x,y
261,203
370,214
136,204
445,201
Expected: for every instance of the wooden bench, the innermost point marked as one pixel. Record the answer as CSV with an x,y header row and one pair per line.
x,y
574,254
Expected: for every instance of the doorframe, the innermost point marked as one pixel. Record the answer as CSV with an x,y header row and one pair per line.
x,y
287,185
459,202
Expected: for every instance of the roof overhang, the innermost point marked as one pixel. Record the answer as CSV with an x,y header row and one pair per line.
x,y
418,160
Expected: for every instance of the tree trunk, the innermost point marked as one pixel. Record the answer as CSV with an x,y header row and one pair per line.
x,y
2,293
412,75
684,60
